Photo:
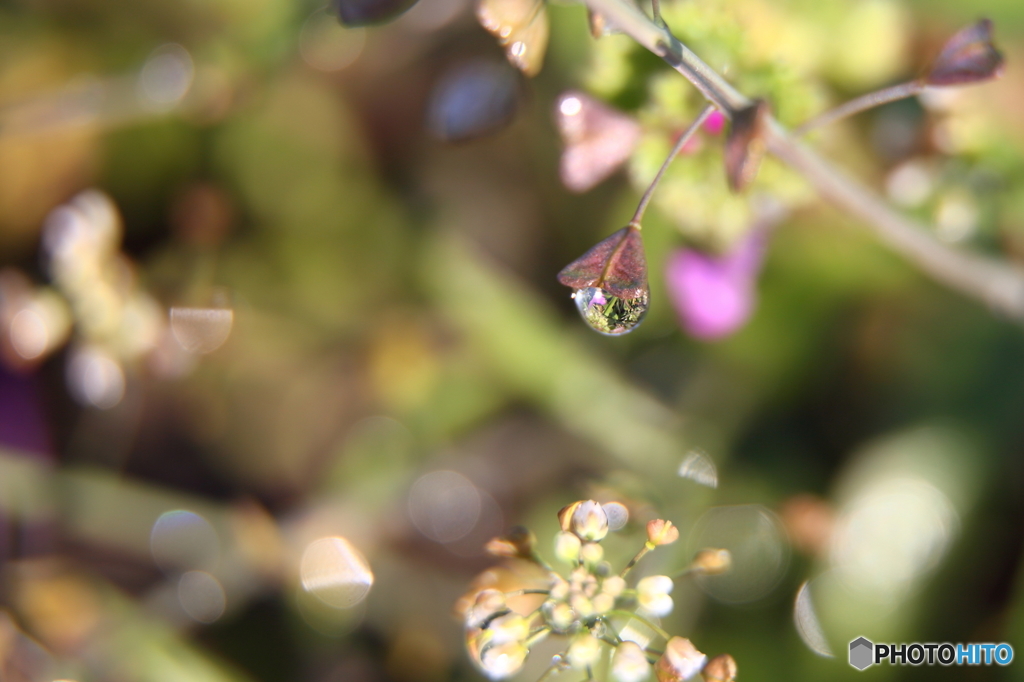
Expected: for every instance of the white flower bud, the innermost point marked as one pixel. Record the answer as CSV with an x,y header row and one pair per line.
x,y
567,547
590,521
584,650
503,660
652,594
629,664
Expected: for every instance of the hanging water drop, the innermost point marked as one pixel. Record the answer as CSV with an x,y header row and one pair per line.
x,y
611,315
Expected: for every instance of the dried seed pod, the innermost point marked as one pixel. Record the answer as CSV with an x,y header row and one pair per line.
x,y
616,264
521,27
721,668
745,145
968,57
597,139
681,661
363,12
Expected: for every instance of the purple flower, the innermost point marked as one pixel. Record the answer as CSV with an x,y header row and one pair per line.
x,y
715,295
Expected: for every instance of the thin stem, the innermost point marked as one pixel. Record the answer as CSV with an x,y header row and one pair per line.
x,y
537,636
629,614
995,282
862,103
553,668
639,555
678,147
656,13
519,593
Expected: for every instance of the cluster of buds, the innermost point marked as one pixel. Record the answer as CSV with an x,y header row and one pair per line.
x,y
593,607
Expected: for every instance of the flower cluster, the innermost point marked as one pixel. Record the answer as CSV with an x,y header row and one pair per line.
x,y
594,608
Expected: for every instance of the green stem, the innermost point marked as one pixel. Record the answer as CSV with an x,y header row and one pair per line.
x,y
629,614
862,103
639,555
676,148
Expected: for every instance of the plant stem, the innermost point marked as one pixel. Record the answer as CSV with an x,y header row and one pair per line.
x,y
680,143
862,103
629,614
519,593
632,562
997,283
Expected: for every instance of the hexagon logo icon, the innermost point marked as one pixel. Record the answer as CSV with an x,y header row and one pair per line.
x,y
862,653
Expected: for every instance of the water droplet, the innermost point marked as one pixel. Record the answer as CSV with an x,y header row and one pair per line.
x,y
611,315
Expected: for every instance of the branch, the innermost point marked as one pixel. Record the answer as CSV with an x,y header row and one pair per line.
x,y
998,284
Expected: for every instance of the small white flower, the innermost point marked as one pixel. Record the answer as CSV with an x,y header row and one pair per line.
x,y
584,650
590,521
629,664
567,547
652,593
508,628
503,660
681,661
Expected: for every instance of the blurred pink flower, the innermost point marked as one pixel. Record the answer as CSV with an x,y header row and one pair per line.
x,y
715,123
715,295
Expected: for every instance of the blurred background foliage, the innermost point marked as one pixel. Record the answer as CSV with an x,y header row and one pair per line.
x,y
390,311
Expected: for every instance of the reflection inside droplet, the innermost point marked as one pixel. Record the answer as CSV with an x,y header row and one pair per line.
x,y
201,596
617,513
754,539
699,468
806,620
183,540
335,572
444,505
609,314
166,76
95,379
201,330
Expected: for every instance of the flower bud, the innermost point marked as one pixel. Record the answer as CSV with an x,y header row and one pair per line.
x,y
508,628
603,603
591,553
968,57
629,664
711,561
745,145
488,604
660,532
681,661
565,515
584,650
503,660
582,605
652,594
559,616
613,585
559,587
567,547
721,668
590,522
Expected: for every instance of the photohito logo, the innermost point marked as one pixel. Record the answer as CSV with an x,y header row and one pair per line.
x,y
864,653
